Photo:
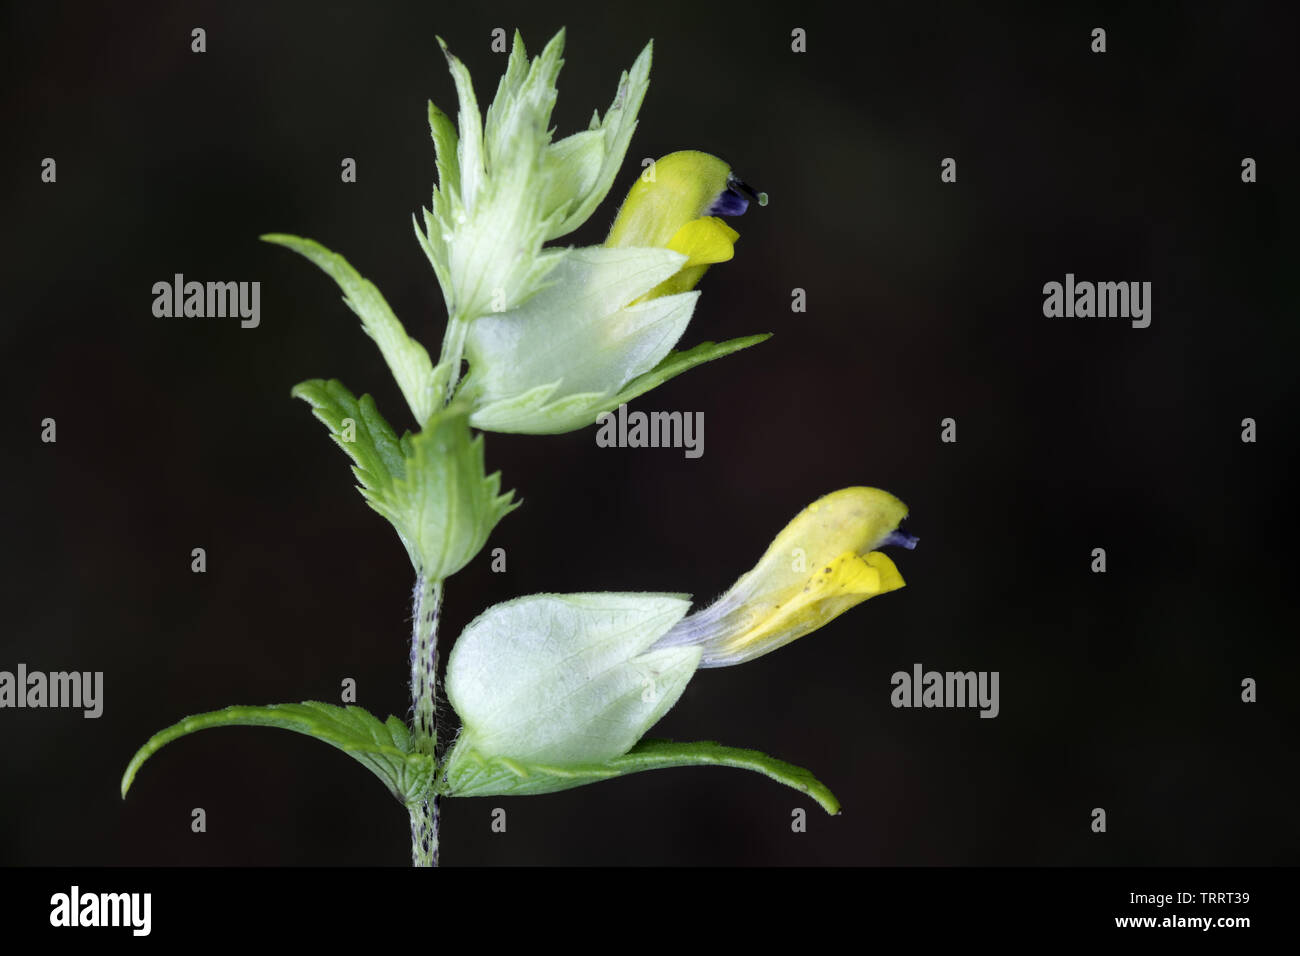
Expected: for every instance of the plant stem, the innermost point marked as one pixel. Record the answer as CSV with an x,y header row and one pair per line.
x,y
426,600
453,349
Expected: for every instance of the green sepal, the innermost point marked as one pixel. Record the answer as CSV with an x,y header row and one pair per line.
x,y
385,748
407,359
466,773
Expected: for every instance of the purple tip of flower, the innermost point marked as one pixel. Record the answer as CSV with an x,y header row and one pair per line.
x,y
900,539
729,203
735,198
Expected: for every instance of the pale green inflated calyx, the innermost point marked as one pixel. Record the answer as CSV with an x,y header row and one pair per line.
x,y
565,679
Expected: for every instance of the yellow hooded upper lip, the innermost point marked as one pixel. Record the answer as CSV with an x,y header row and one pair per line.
x,y
821,564
675,210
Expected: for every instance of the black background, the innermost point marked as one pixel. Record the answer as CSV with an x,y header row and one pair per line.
x,y
1119,690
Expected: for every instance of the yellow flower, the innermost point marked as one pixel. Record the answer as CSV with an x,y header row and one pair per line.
x,y
823,563
602,329
676,205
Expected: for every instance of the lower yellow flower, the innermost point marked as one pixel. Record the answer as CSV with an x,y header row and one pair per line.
x,y
823,563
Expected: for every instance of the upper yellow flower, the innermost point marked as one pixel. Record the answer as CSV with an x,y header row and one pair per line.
x,y
602,329
823,563
675,205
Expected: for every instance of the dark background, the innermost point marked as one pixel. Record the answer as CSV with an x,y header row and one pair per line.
x,y
924,301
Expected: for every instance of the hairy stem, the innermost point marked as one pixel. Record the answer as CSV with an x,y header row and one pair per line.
x,y
426,600
424,832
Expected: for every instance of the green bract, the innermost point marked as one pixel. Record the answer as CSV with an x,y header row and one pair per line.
x,y
469,774
445,506
407,359
432,486
504,188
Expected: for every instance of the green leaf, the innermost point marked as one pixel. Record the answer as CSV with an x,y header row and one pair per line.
x,y
446,505
519,116
443,131
616,129
468,774
369,440
377,454
572,166
470,164
485,228
407,359
431,486
677,362
384,748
